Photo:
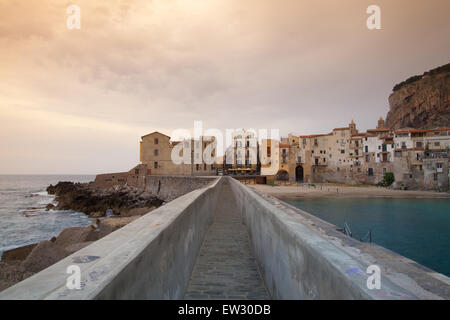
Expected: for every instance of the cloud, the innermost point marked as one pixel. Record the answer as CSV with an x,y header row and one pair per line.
x,y
301,66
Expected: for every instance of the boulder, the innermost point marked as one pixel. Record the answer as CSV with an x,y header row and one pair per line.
x,y
136,212
10,274
76,235
42,256
97,214
114,223
77,246
18,254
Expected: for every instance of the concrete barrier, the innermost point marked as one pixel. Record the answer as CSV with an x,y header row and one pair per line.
x,y
297,262
150,258
171,187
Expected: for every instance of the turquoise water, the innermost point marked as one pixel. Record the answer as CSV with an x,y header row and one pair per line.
x,y
415,228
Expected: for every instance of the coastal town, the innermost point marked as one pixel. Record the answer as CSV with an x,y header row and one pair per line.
x,y
417,158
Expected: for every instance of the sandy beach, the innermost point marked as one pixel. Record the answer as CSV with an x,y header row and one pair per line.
x,y
327,191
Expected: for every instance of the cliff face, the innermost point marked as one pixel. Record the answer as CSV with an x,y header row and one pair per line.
x,y
421,102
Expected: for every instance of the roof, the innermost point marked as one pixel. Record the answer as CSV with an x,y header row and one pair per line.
x,y
155,132
378,130
316,135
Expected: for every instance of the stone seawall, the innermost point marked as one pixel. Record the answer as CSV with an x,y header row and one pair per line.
x,y
170,187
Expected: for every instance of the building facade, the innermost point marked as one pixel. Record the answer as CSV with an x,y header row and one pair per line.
x,y
419,159
188,157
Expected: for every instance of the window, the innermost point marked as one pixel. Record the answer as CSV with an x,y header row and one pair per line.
x,y
370,172
366,148
367,158
197,167
156,141
136,171
155,152
204,167
155,165
435,176
342,151
437,144
419,144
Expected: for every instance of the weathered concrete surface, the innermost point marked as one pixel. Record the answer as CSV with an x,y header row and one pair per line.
x,y
298,261
171,187
150,258
226,267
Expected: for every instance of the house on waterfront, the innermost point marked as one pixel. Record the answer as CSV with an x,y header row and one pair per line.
x,y
417,158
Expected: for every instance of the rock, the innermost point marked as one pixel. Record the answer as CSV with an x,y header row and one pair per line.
x,y
95,202
421,102
114,223
10,274
50,206
42,256
76,235
17,254
95,225
97,214
77,246
136,212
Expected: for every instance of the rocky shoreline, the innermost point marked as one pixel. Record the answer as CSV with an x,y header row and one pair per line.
x,y
111,209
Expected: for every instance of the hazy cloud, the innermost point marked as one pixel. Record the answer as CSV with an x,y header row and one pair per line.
x,y
135,66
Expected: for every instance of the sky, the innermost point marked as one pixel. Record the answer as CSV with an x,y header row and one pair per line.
x,y
77,101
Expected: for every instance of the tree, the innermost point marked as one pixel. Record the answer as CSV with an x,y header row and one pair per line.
x,y
388,179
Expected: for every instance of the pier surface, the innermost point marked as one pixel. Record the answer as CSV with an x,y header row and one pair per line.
x,y
226,267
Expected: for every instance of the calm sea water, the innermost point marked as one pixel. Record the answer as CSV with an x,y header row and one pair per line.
x,y
23,219
415,228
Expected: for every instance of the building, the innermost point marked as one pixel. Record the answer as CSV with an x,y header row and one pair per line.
x,y
242,157
417,158
188,157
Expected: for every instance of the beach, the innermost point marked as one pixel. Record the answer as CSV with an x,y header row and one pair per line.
x,y
343,191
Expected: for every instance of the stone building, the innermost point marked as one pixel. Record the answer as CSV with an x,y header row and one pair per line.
x,y
242,157
417,158
158,152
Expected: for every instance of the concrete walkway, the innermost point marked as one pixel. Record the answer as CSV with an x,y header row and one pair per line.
x,y
226,267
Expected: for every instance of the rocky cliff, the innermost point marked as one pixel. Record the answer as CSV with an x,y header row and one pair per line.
x,y
422,101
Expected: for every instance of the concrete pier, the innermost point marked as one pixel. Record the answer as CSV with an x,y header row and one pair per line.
x,y
226,267
226,241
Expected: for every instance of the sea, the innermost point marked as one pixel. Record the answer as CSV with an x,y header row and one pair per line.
x,y
23,218
418,229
